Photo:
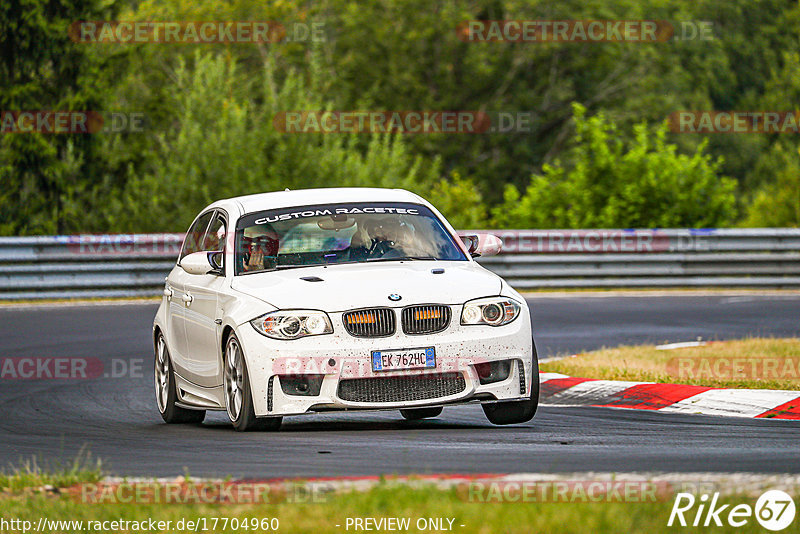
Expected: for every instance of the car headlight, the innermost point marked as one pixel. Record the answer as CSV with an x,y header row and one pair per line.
x,y
492,311
293,324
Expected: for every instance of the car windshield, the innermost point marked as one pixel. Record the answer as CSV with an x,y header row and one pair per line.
x,y
341,233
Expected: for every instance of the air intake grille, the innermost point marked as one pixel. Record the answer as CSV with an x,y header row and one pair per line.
x,y
425,319
401,388
376,322
270,393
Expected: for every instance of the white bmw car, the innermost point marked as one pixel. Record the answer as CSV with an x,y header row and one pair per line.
x,y
297,302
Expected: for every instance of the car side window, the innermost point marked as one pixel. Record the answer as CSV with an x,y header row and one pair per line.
x,y
194,237
215,236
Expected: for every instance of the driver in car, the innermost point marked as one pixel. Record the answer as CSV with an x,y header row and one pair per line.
x,y
261,248
382,238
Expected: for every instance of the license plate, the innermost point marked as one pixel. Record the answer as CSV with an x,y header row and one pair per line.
x,y
392,360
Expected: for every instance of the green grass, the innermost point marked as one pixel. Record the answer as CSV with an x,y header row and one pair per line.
x,y
755,363
385,500
36,476
58,492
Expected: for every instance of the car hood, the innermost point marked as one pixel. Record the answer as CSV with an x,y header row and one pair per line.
x,y
344,287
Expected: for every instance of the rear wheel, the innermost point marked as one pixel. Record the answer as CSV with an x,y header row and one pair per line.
x,y
415,414
238,396
516,412
166,392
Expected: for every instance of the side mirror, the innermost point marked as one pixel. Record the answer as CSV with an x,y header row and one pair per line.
x,y
216,261
198,263
482,244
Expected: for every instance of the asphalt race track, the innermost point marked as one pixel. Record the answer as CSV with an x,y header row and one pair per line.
x,y
116,419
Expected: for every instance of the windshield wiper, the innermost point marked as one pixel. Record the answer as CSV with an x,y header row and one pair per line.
x,y
285,267
347,262
404,258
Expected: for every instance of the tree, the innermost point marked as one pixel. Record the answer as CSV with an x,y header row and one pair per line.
x,y
42,176
223,143
777,202
612,182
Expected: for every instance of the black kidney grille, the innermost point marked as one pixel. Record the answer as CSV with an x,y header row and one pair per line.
x,y
427,319
401,388
374,322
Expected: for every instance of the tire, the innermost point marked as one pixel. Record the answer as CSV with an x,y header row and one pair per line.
x,y
238,394
166,392
415,414
516,412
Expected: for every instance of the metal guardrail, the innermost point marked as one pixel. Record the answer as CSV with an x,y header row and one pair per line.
x,y
88,266
757,257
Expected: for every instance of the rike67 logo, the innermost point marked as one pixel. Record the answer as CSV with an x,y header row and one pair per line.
x,y
774,510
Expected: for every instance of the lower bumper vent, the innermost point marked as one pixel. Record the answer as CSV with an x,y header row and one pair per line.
x,y
270,393
401,388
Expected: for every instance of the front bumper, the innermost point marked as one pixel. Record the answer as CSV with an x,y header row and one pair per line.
x,y
340,356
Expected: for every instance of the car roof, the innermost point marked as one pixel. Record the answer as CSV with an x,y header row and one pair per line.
x,y
309,197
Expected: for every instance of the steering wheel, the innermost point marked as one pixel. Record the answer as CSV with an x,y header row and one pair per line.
x,y
379,248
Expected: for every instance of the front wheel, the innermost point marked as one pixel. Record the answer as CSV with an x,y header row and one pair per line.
x,y
516,412
166,392
415,414
238,396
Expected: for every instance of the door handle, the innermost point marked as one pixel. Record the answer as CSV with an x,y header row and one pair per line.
x,y
187,299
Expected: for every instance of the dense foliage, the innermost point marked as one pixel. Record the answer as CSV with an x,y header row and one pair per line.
x,y
597,153
614,182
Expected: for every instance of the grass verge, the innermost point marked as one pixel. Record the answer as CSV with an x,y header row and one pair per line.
x,y
33,476
755,363
329,513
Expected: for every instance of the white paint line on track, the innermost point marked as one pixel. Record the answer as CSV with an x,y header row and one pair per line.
x,y
10,305
544,377
550,359
681,345
732,402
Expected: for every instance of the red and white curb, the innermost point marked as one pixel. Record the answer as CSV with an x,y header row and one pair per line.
x,y
561,390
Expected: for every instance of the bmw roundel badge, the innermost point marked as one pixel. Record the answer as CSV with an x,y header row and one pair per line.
x,y
394,297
